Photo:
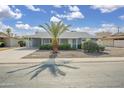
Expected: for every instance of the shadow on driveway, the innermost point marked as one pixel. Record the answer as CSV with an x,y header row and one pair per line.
x,y
49,64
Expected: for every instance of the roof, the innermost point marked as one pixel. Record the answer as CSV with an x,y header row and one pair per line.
x,y
63,35
114,37
3,35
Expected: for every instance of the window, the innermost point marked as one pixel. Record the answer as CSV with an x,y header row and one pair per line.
x,y
74,43
79,41
64,41
46,41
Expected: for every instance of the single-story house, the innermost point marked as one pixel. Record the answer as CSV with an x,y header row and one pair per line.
x,y
71,37
116,40
9,41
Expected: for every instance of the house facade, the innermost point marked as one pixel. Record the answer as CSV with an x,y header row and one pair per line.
x,y
72,38
116,40
9,41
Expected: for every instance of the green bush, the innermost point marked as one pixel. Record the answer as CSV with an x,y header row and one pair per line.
x,y
101,48
61,47
45,47
65,47
2,44
21,43
91,46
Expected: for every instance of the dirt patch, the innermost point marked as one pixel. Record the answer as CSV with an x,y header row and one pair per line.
x,y
109,52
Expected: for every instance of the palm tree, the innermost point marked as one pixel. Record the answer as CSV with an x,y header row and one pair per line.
x,y
55,29
8,31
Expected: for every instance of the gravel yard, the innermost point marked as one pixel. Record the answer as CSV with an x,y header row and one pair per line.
x,y
109,52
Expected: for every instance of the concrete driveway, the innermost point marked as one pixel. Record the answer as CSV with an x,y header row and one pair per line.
x,y
15,54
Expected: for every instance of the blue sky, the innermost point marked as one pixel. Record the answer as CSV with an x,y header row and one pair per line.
x,y
25,19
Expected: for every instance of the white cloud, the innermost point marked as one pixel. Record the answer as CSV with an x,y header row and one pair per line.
x,y
31,7
108,25
103,27
121,17
71,15
57,6
23,26
106,8
18,14
74,13
84,29
19,22
6,12
36,28
54,19
73,8
27,27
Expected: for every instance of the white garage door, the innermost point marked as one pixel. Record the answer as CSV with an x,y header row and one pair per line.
x,y
119,43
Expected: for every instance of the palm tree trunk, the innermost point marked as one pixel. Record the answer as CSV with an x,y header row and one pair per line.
x,y
55,45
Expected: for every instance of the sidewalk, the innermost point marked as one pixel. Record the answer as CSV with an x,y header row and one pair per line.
x,y
73,60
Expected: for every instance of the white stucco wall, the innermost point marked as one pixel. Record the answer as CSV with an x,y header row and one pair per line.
x,y
28,43
7,42
70,42
14,42
11,42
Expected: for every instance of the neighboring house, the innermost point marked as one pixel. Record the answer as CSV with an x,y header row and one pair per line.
x,y
9,41
116,40
73,38
103,34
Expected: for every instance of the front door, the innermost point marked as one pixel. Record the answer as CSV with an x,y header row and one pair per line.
x,y
36,42
73,43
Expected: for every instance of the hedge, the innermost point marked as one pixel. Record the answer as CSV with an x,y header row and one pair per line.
x,y
45,47
61,47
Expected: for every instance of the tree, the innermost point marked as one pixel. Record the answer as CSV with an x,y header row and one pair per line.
x,y
8,31
55,29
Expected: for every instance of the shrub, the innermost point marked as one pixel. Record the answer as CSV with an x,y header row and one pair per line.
x,y
21,43
45,47
91,46
2,44
65,47
101,48
61,47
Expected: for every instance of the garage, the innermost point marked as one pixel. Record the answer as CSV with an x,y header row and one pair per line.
x,y
119,43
